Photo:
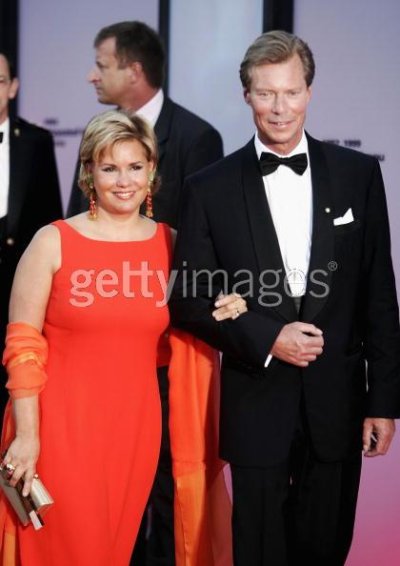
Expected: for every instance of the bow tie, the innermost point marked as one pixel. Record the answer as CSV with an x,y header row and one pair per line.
x,y
269,162
1,137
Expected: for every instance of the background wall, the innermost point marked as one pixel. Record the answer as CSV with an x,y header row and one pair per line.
x,y
355,102
207,42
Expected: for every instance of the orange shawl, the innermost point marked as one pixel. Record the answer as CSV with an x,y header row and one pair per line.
x,y
24,357
202,508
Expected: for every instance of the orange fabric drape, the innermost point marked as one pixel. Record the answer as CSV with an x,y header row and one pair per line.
x,y
25,356
202,507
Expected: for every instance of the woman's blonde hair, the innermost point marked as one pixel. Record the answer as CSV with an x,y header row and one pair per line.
x,y
106,130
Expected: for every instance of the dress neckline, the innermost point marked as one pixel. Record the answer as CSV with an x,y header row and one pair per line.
x,y
65,223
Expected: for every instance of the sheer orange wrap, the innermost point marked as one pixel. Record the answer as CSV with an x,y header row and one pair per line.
x,y
202,508
25,357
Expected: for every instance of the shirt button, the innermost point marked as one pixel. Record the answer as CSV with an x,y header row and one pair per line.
x,y
10,241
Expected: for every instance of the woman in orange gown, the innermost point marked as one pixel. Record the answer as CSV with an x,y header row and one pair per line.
x,y
90,291
96,289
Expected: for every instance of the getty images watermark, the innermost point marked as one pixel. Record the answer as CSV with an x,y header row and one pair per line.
x,y
86,284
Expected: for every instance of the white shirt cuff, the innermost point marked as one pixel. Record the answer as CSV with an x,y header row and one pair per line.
x,y
267,361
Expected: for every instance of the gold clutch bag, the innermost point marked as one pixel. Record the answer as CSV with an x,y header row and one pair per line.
x,y
28,509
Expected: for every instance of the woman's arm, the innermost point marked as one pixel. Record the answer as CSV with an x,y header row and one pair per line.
x,y
28,303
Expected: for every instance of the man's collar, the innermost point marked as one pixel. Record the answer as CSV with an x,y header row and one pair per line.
x,y
301,147
152,109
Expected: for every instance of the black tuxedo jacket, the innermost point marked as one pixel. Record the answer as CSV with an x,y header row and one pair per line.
x,y
186,144
226,240
33,200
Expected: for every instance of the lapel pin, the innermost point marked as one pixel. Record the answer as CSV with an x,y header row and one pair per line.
x,y
327,210
17,132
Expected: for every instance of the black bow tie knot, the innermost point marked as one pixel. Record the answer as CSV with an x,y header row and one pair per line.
x,y
1,137
269,162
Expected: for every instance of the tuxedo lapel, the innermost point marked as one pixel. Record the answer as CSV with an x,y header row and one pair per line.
x,y
20,164
322,244
264,236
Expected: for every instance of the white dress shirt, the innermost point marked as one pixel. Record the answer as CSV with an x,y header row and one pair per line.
x,y
4,167
290,201
152,109
289,198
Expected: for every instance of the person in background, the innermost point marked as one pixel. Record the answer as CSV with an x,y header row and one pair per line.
x,y
88,305
129,73
311,373
29,189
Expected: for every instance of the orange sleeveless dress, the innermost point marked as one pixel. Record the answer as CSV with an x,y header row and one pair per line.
x,y
100,424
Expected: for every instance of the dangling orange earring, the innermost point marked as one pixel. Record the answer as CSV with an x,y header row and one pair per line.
x,y
149,204
92,199
92,206
149,197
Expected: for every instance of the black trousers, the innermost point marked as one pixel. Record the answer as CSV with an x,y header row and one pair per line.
x,y
155,544
299,512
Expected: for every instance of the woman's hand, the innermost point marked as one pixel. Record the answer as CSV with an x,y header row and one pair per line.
x,y
21,458
229,306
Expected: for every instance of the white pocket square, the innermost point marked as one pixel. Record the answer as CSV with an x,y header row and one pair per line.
x,y
345,219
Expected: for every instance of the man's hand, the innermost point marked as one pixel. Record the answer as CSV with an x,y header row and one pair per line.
x,y
298,343
377,436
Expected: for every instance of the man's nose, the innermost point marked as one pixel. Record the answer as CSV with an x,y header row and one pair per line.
x,y
92,75
279,104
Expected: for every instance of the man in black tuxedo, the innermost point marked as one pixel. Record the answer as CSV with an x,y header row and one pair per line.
x,y
311,374
29,190
129,73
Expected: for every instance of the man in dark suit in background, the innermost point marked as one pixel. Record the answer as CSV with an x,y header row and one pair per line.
x,y
311,373
29,190
129,73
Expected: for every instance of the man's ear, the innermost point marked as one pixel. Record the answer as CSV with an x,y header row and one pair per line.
x,y
136,70
12,93
246,95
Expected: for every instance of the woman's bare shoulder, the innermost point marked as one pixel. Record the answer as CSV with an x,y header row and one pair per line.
x,y
46,237
44,249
